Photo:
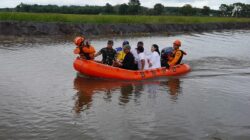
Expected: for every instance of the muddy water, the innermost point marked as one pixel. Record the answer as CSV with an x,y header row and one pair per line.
x,y
42,98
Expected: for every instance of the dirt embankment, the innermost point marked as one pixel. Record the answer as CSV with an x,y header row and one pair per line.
x,y
31,28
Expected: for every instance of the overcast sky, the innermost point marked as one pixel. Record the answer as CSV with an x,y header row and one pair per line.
x,y
214,4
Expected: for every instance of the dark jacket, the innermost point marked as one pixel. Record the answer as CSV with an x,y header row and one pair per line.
x,y
108,55
129,62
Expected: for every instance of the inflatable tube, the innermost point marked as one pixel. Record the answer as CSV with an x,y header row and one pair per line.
x,y
94,69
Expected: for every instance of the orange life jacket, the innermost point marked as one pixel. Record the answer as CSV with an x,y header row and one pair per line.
x,y
177,57
86,51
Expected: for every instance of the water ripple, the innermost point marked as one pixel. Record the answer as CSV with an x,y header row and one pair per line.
x,y
41,97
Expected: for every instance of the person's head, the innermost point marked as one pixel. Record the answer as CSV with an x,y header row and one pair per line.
x,y
126,48
155,48
79,41
110,44
140,43
176,44
140,49
125,43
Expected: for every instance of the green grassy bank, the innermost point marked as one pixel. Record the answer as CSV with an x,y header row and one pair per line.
x,y
100,19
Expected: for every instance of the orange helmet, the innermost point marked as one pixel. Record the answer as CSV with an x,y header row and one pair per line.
x,y
78,40
177,42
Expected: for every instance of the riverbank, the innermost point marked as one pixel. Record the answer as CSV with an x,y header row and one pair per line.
x,y
67,24
34,28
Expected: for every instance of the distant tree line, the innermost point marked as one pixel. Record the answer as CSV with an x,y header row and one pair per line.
x,y
133,7
236,9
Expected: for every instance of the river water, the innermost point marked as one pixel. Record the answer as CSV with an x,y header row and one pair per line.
x,y
42,98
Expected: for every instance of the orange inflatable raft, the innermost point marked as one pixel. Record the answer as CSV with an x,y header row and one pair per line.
x,y
94,69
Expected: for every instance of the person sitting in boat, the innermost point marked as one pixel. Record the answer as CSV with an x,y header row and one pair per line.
x,y
135,53
129,60
108,53
154,59
177,54
166,55
121,54
142,59
84,49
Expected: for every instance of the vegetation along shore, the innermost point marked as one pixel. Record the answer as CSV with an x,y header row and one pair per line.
x,y
129,18
68,24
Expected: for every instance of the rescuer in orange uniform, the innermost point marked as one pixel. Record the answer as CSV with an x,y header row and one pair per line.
x,y
84,48
177,54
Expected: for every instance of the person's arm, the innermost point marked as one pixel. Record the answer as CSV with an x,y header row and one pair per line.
x,y
152,60
175,59
93,48
184,53
92,53
150,64
142,64
115,56
76,50
142,58
99,53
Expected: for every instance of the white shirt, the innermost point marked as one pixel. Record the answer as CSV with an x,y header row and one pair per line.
x,y
134,52
142,56
155,60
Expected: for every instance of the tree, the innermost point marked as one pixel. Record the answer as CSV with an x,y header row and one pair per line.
x,y
205,11
23,7
158,9
108,8
224,9
247,10
134,2
244,11
134,7
123,9
187,10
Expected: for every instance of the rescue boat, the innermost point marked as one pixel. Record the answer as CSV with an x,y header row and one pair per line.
x,y
94,69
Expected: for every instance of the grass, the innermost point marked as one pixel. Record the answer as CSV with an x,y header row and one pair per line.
x,y
102,19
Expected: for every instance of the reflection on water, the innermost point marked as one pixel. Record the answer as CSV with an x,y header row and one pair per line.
x,y
83,101
87,87
126,93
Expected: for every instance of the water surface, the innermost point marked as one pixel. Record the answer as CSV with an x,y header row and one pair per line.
x,y
42,98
